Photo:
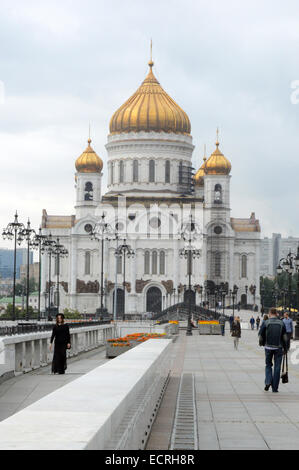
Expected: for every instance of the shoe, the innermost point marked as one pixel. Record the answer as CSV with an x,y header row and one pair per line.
x,y
267,387
274,391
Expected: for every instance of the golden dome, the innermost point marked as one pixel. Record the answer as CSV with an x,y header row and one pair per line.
x,y
150,109
198,177
89,161
217,164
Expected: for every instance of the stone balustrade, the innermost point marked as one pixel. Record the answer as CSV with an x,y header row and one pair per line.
x,y
111,407
26,352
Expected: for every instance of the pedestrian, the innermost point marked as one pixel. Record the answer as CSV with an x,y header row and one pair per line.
x,y
289,327
231,320
258,321
236,331
273,337
239,306
61,334
222,324
252,322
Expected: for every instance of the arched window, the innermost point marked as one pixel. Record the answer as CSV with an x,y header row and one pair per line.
x,y
167,171
147,262
244,266
119,264
88,191
135,171
87,262
162,262
217,264
57,267
155,262
181,173
121,171
218,194
152,171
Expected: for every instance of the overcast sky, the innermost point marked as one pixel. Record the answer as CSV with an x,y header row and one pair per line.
x,y
226,63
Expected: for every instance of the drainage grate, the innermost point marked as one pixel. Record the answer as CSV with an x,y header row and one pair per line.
x,y
184,432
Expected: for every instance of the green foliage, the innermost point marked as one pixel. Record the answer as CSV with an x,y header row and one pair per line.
x,y
72,314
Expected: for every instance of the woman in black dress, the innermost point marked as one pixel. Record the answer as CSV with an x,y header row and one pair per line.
x,y
61,333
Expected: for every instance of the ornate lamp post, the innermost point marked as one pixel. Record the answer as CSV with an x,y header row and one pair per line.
x,y
290,265
60,252
234,296
49,246
12,232
124,251
37,243
189,253
102,231
27,234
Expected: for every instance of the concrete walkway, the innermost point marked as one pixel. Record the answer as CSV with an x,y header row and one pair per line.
x,y
19,392
233,410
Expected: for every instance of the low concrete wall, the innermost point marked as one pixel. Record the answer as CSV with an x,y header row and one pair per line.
x,y
125,328
111,407
23,353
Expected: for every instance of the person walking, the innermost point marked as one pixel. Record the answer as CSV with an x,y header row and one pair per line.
x,y
222,324
252,322
273,337
258,321
289,327
236,331
61,334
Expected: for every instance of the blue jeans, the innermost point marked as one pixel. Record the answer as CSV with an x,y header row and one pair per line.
x,y
222,329
273,378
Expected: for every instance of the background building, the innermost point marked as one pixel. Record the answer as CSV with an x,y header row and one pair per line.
x,y
273,249
7,261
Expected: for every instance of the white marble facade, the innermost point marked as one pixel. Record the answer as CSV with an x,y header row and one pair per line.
x,y
152,207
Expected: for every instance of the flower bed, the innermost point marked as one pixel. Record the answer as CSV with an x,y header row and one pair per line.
x,y
117,346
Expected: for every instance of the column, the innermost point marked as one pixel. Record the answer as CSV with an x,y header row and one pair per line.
x,y
73,272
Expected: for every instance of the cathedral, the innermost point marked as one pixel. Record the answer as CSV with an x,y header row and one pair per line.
x,y
127,248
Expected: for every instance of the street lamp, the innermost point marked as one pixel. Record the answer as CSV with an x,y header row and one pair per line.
x,y
38,243
48,246
252,289
124,251
60,252
12,231
290,265
189,253
102,231
234,296
27,234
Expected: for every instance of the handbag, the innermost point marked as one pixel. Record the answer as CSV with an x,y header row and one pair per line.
x,y
284,375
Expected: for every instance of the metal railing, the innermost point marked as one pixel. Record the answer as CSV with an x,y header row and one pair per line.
x,y
22,328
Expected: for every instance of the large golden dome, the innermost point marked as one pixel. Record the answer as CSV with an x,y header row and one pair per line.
x,y
89,161
150,109
217,164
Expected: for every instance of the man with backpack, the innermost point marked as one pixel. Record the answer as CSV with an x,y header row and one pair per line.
x,y
273,337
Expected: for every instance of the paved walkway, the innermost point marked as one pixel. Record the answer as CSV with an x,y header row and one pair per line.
x,y
233,410
19,392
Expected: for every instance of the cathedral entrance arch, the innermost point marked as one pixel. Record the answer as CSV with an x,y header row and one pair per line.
x,y
243,300
189,293
119,302
154,300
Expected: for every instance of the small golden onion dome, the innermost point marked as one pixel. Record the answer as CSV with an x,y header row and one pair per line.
x,y
89,161
150,109
217,164
198,177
